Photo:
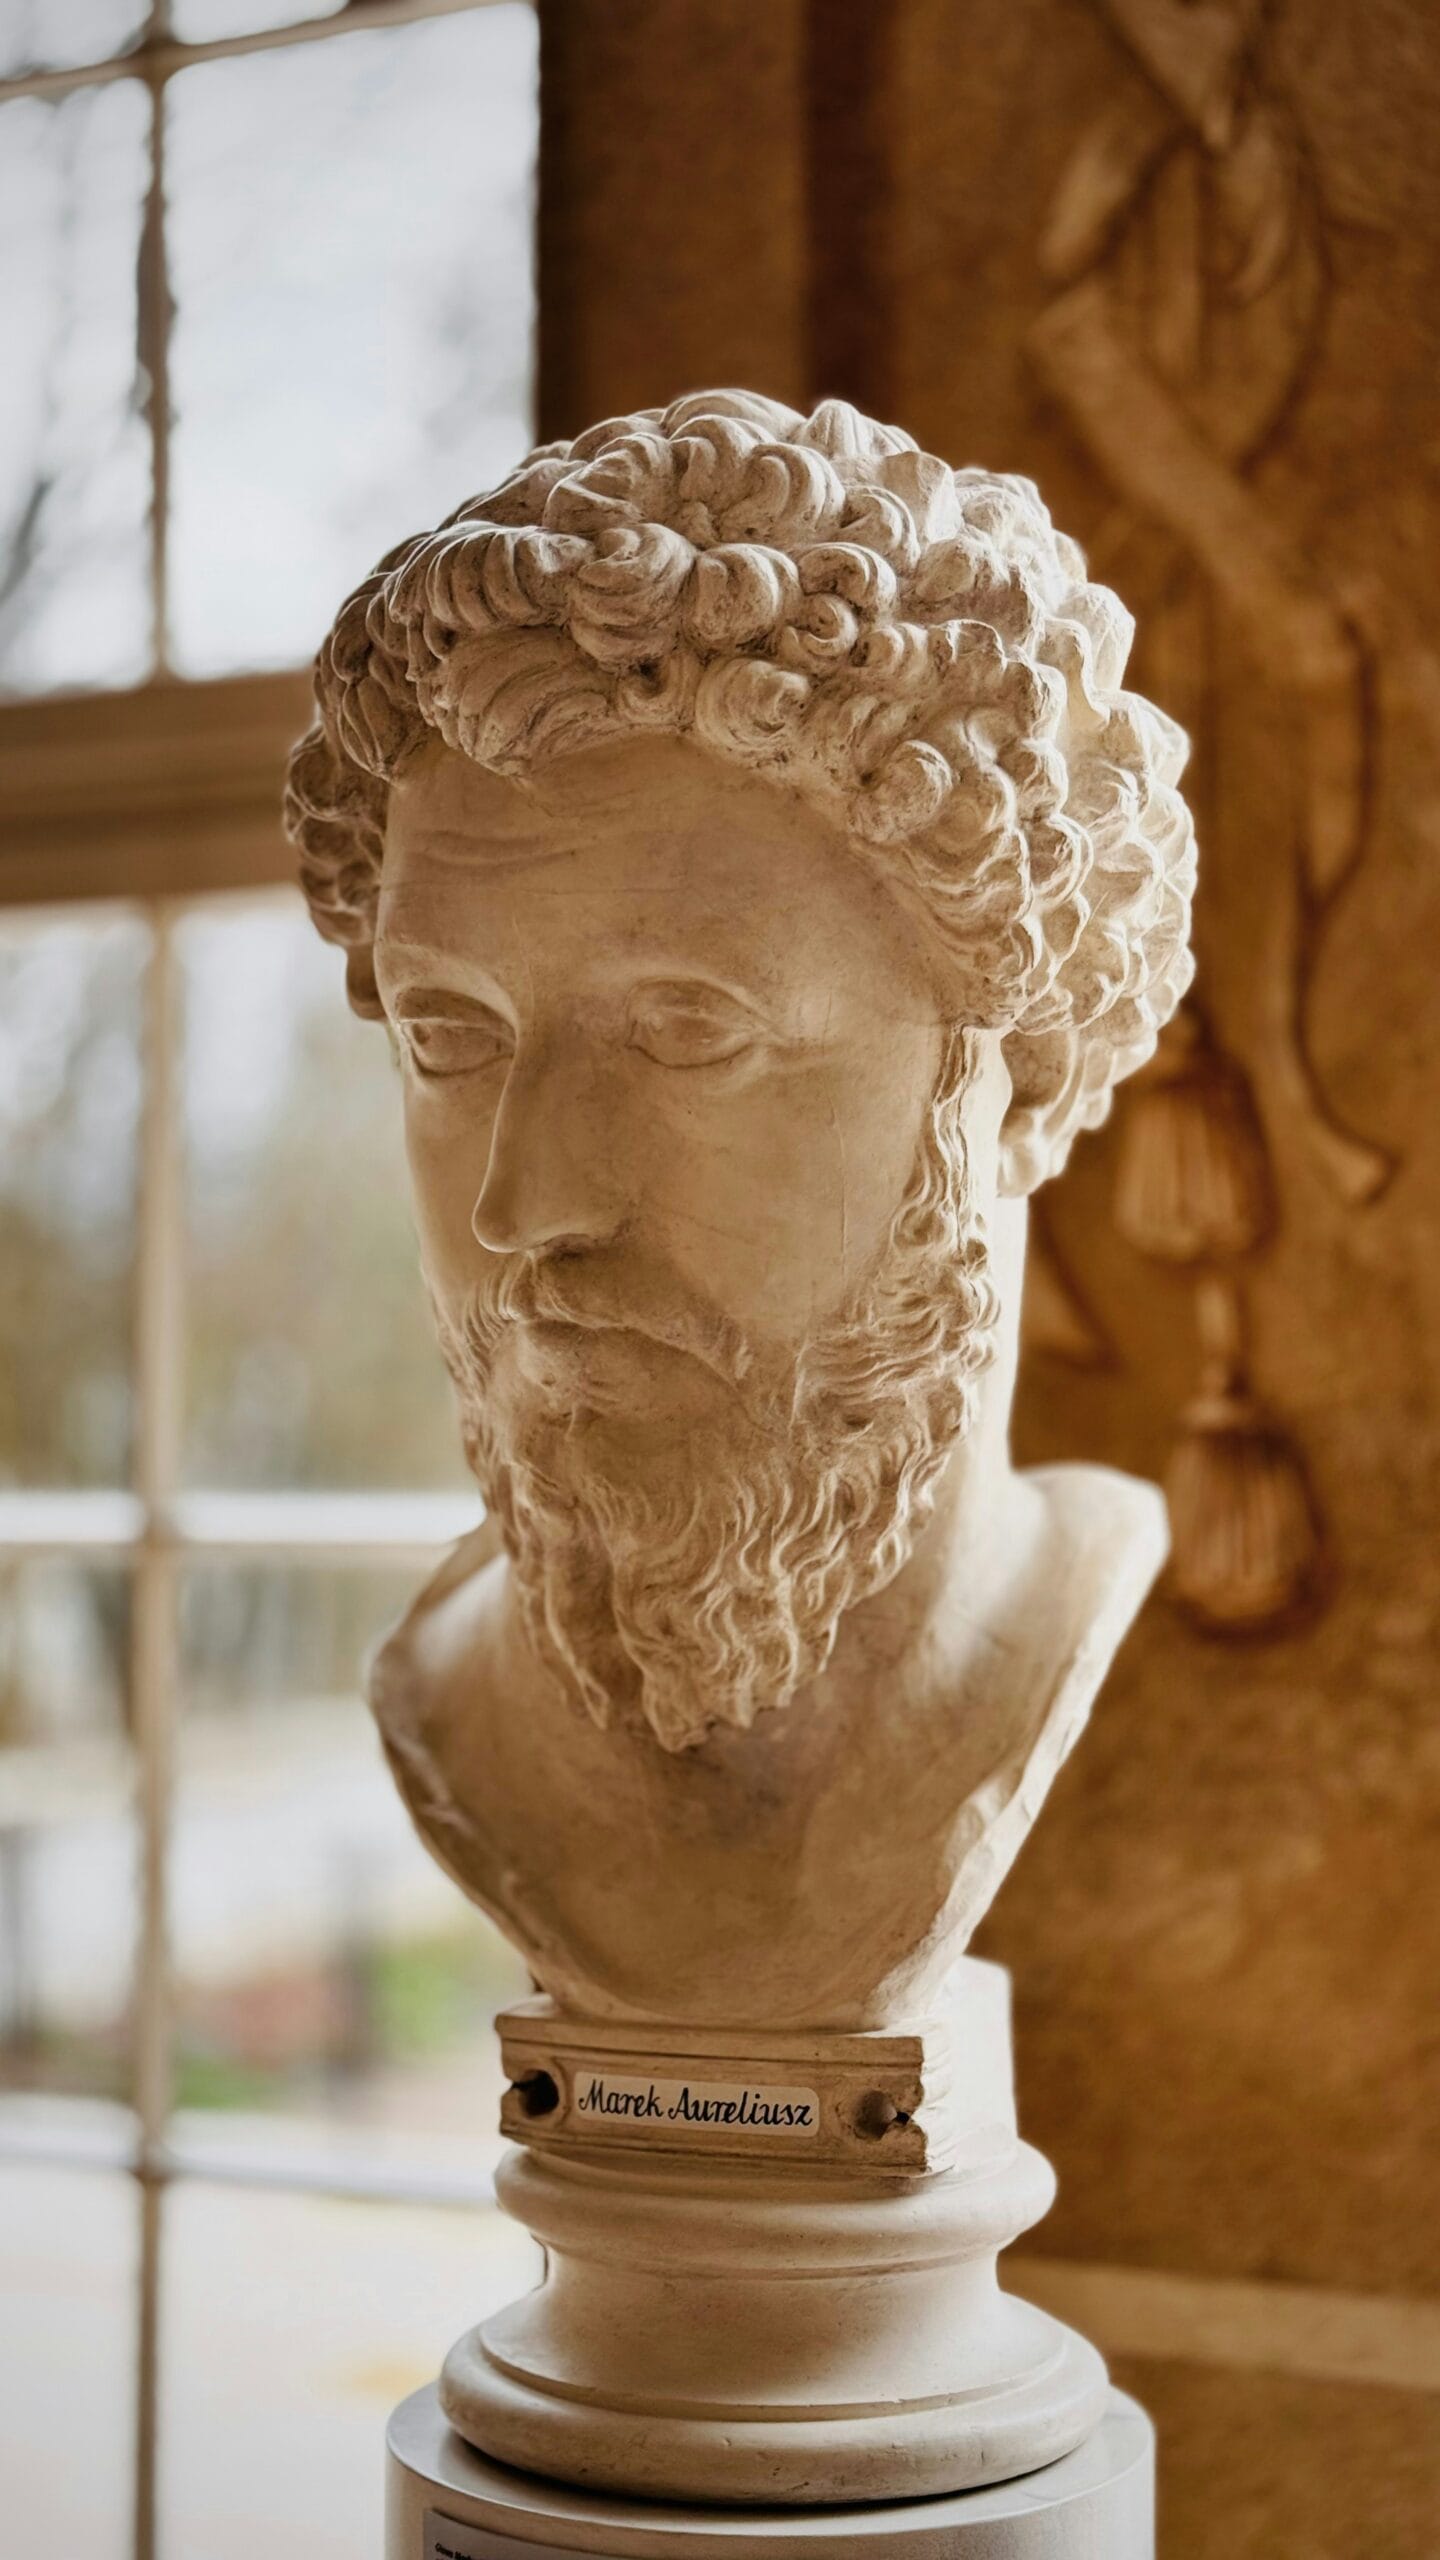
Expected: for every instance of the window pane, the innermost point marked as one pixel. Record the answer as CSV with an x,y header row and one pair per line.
x,y
74,454
332,1980
68,2250
198,21
291,2327
67,1834
311,1359
60,35
352,342
70,1004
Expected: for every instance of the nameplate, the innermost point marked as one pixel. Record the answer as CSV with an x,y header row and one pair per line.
x,y
869,2100
697,2106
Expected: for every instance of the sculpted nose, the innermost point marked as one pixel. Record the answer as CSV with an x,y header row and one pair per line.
x,y
549,1181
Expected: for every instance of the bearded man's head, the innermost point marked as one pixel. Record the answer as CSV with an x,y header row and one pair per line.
x,y
738,820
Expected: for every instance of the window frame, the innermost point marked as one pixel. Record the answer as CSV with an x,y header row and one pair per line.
x,y
156,797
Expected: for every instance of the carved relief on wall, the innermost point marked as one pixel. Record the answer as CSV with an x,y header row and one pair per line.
x,y
1186,249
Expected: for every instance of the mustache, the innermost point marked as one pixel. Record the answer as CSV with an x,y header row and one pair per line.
x,y
597,1292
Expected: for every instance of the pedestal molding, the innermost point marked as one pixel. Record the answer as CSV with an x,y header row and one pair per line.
x,y
1096,2504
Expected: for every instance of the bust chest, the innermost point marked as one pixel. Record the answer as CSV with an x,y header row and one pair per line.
x,y
825,1867
788,1873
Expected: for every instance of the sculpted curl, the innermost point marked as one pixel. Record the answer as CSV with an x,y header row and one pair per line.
x,y
915,650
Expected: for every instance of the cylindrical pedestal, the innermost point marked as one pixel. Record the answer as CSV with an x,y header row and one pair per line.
x,y
763,2318
759,2337
445,2502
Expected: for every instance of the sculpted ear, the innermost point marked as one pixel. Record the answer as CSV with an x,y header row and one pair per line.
x,y
360,984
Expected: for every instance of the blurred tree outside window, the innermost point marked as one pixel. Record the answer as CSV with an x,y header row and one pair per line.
x,y
267,276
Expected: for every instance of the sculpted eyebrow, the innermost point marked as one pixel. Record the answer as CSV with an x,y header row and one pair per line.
x,y
409,1002
687,987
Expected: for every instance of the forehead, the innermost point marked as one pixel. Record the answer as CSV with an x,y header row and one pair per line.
x,y
648,841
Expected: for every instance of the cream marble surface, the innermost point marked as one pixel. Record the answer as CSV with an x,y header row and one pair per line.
x,y
740,823
1097,2504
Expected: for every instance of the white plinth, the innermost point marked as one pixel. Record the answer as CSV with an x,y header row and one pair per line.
x,y
446,2502
787,2331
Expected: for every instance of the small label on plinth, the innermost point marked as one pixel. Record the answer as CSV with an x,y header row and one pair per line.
x,y
672,2106
882,2100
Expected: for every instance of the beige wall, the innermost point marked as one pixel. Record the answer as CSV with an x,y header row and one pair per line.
x,y
1224,1932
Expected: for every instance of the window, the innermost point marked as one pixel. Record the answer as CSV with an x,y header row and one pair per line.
x,y
252,295
272,281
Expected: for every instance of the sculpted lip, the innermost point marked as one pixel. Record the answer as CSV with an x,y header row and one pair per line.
x,y
530,1305
601,1368
549,1345
572,1337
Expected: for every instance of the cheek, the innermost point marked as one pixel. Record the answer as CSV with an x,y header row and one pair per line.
x,y
777,1200
448,1149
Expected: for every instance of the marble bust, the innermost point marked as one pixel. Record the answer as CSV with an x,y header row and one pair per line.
x,y
740,823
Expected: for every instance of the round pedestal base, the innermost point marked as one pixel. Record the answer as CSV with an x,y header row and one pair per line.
x,y
763,2337
748,2455
446,2502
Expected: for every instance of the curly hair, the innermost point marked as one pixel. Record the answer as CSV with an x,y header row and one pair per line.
x,y
913,649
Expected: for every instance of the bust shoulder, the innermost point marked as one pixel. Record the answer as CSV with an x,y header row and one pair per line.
x,y
1024,1699
1106,1538
426,1682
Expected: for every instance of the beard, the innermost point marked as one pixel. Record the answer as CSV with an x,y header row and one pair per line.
x,y
689,1559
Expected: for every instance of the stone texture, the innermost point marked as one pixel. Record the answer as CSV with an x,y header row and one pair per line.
x,y
740,822
1224,1940
1261,2466
1099,2500
757,921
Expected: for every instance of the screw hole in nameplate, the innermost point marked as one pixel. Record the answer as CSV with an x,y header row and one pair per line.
x,y
538,2093
875,2113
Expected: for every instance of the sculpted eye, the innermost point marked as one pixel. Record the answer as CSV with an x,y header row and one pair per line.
x,y
455,1045
690,1026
